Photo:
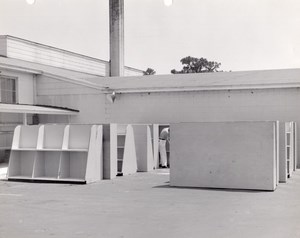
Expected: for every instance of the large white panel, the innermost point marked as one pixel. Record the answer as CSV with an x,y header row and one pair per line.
x,y
240,155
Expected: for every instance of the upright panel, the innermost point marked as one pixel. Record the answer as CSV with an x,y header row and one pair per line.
x,y
155,145
240,155
94,167
282,156
295,145
129,165
110,151
142,137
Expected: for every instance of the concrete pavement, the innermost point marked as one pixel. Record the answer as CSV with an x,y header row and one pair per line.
x,y
143,205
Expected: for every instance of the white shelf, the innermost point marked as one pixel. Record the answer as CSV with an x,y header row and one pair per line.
x,y
45,178
75,150
24,149
74,180
49,150
121,136
60,153
20,178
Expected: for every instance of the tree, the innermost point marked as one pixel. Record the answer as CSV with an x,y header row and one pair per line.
x,y
149,71
196,65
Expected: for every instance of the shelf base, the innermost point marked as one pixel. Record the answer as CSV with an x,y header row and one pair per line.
x,y
46,180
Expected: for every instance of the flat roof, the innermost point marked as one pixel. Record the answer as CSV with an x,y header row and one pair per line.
x,y
256,79
36,109
277,78
74,77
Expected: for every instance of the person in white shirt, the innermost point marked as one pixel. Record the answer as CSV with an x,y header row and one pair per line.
x,y
163,138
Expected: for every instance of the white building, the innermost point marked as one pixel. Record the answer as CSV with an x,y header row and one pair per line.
x,y
41,75
23,64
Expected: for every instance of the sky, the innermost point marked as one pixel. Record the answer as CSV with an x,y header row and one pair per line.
x,y
240,34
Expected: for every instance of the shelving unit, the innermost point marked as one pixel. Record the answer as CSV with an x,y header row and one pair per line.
x,y
120,146
289,147
295,145
62,153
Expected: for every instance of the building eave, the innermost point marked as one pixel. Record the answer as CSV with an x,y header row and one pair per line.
x,y
36,109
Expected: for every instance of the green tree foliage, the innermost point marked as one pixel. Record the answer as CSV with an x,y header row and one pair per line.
x,y
149,71
196,65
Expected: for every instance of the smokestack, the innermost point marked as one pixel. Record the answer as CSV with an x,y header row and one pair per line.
x,y
116,37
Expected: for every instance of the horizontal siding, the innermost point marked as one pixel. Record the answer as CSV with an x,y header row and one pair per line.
x,y
47,86
55,57
132,72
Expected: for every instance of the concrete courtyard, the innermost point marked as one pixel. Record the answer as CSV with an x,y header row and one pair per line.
x,y
144,205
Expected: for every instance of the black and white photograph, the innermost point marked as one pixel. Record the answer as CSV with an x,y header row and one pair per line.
x,y
149,118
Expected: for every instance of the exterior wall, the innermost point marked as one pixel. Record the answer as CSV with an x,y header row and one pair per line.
x,y
172,107
17,48
128,71
25,95
208,106
203,106
240,155
25,86
43,54
90,102
3,46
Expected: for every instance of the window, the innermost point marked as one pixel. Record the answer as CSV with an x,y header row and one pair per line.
x,y
8,89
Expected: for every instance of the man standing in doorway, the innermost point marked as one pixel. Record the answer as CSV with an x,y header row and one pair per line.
x,y
163,138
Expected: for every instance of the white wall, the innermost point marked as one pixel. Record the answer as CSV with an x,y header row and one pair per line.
x,y
91,103
240,155
205,106
18,48
267,104
43,54
174,107
25,86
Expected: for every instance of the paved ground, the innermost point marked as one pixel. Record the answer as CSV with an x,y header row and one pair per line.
x,y
143,205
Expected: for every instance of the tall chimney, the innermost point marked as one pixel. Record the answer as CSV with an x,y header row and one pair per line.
x,y
116,37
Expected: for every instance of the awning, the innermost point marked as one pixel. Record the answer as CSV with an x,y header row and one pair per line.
x,y
36,109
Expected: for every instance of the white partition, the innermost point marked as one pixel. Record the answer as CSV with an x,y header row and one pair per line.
x,y
110,151
239,155
144,148
295,145
289,147
282,154
129,160
63,153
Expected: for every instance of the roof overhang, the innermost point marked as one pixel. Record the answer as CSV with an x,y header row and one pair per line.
x,y
33,109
